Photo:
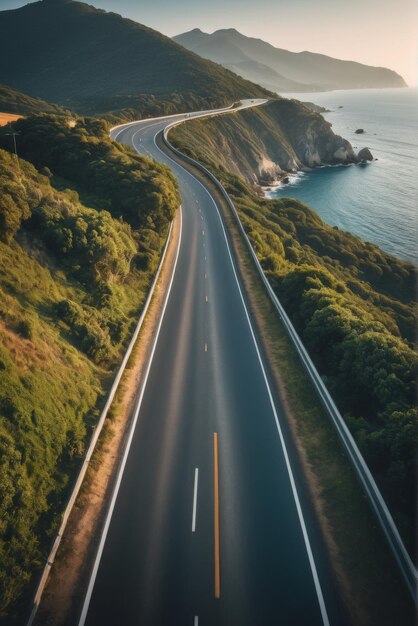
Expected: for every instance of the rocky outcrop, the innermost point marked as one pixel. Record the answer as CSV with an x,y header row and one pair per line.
x,y
310,135
316,108
268,171
364,155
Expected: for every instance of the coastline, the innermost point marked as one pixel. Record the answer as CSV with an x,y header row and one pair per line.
x,y
376,204
293,178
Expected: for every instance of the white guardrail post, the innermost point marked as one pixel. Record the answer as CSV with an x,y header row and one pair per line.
x,y
94,439
407,567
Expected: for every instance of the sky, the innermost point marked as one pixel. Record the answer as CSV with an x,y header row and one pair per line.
x,y
375,32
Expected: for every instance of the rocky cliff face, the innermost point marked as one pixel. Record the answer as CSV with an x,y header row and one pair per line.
x,y
310,135
262,145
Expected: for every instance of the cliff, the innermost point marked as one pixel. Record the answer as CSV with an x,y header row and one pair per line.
x,y
263,144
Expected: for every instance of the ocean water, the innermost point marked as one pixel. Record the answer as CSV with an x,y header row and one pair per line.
x,y
377,201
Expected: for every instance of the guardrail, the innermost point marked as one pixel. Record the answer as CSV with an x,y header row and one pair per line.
x,y
367,481
93,441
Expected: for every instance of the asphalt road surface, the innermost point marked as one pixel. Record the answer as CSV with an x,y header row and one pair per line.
x,y
209,524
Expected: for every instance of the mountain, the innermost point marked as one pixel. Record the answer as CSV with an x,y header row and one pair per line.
x,y
73,54
282,70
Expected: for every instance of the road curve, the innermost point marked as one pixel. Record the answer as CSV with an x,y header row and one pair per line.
x,y
209,523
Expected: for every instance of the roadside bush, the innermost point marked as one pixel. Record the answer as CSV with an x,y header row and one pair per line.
x,y
91,238
92,338
14,207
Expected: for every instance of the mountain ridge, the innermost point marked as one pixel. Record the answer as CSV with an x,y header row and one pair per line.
x,y
298,71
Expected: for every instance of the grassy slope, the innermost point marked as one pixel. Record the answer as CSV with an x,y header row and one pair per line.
x,y
353,305
14,101
72,283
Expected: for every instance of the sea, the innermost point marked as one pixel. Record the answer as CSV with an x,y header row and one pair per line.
x,y
378,201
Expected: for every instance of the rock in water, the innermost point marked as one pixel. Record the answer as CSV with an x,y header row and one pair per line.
x,y
364,155
359,131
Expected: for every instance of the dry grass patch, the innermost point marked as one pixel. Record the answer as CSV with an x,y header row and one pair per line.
x,y
6,118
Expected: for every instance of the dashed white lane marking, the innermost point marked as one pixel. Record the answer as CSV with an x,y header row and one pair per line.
x,y
194,514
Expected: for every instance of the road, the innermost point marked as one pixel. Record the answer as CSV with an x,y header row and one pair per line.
x,y
210,524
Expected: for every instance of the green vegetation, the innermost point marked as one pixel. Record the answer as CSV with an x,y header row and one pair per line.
x,y
353,306
137,189
87,56
74,275
13,101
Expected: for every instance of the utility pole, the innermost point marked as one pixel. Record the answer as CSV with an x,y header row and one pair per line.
x,y
14,135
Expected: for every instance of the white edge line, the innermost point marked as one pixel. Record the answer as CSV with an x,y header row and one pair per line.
x,y
196,620
196,484
127,448
317,583
184,116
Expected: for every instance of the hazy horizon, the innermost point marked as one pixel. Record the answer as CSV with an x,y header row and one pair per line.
x,y
379,32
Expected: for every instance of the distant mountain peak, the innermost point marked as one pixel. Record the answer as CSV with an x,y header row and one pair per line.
x,y
281,70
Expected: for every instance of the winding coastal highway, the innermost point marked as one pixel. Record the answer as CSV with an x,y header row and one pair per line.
x,y
209,523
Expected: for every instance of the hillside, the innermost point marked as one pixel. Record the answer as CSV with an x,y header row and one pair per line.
x,y
354,307
14,101
260,145
77,257
281,70
99,56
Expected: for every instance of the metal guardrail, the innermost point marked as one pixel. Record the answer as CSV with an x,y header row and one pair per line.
x,y
379,507
93,441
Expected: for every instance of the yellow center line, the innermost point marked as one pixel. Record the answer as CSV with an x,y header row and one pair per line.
x,y
216,518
